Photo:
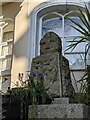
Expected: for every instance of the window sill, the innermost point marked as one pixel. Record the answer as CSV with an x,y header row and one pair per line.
x,y
5,72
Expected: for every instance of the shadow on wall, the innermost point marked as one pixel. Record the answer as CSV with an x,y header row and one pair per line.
x,y
20,48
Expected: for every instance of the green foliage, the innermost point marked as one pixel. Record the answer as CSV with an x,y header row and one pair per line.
x,y
85,37
85,31
21,94
34,94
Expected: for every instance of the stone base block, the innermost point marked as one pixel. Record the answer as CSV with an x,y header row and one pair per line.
x,y
60,101
61,109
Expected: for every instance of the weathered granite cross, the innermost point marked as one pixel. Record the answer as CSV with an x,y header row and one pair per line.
x,y
54,66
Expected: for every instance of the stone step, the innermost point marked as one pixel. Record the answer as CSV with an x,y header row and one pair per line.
x,y
61,111
61,101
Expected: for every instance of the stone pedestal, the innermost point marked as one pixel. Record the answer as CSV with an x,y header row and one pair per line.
x,y
61,108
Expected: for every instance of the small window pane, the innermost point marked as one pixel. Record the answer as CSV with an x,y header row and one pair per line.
x,y
76,61
10,48
6,64
79,48
5,50
7,36
69,30
54,24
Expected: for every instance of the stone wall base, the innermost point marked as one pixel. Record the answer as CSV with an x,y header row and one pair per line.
x,y
61,108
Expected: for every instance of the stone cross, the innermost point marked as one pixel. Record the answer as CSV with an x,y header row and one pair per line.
x,y
54,66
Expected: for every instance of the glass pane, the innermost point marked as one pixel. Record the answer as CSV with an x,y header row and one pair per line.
x,y
7,49
69,30
79,48
4,50
6,64
54,24
76,61
10,48
76,76
7,36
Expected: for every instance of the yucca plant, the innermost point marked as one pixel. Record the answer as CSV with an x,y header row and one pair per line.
x,y
85,37
85,31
